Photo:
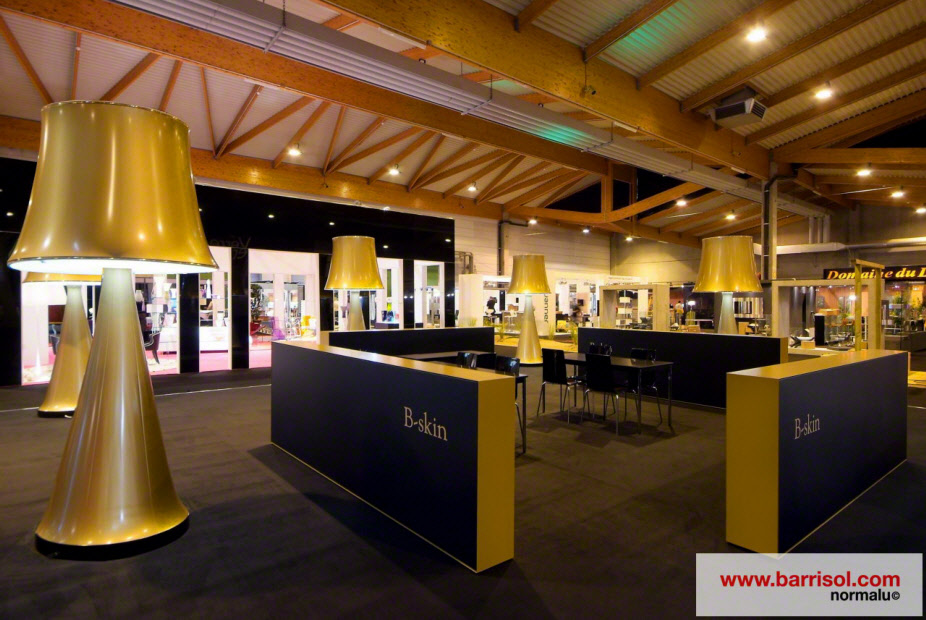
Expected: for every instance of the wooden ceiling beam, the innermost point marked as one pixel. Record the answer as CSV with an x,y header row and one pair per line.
x,y
516,186
334,138
531,12
550,65
879,116
24,61
625,27
461,152
871,181
860,60
427,161
744,223
514,163
710,227
460,168
304,180
654,201
239,117
421,53
76,66
690,204
550,186
129,78
626,227
804,179
376,148
405,153
202,75
736,28
169,87
304,129
743,75
682,222
839,101
507,186
878,130
132,27
368,131
861,157
269,122
492,165
782,222
342,22
561,193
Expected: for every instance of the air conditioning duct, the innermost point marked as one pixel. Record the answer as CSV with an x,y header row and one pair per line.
x,y
739,113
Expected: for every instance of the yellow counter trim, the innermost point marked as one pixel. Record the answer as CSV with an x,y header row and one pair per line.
x,y
437,369
791,369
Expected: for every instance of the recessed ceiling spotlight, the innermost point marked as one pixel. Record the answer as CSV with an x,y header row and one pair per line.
x,y
330,223
824,93
447,240
758,33
385,247
898,193
394,170
731,216
586,230
387,208
681,202
629,238
10,213
864,171
920,210
532,221
472,187
271,215
294,150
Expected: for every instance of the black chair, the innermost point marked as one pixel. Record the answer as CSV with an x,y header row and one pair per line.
x,y
599,378
593,348
485,360
554,371
512,366
646,355
466,359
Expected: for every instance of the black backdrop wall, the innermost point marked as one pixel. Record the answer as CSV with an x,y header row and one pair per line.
x,y
239,219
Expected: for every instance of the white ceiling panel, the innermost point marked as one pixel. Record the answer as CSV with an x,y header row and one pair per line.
x,y
269,143
187,103
148,89
50,50
102,64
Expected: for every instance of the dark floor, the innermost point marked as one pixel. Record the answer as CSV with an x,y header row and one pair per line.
x,y
605,524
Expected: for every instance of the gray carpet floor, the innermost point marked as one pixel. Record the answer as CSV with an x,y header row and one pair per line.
x,y
606,525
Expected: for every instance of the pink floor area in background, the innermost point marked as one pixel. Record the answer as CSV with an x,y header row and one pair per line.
x,y
167,364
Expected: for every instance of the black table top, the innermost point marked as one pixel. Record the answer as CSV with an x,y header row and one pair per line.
x,y
624,362
521,378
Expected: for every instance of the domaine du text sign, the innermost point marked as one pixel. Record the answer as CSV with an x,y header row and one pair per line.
x,y
910,272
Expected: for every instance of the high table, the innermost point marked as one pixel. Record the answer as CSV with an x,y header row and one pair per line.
x,y
639,368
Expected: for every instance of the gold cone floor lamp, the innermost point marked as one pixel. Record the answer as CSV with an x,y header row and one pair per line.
x,y
67,374
113,191
529,277
728,266
354,268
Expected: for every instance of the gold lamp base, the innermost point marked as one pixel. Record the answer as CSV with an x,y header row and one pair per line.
x,y
71,360
529,340
113,485
355,317
726,323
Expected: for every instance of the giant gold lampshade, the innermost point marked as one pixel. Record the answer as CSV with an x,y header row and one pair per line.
x,y
67,374
529,277
113,191
354,268
728,266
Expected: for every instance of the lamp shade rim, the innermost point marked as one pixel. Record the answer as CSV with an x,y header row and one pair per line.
x,y
64,279
79,265
50,106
